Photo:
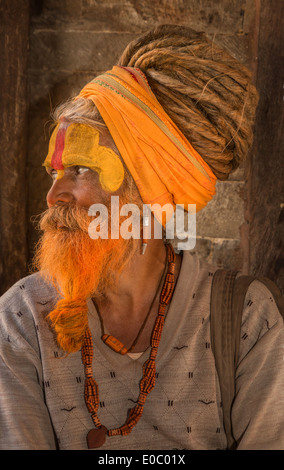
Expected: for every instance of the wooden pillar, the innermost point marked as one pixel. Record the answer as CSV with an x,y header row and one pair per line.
x,y
14,40
267,163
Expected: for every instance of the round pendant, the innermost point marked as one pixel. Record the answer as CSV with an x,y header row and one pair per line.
x,y
96,437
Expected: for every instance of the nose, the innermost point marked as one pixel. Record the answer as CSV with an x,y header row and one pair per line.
x,y
60,192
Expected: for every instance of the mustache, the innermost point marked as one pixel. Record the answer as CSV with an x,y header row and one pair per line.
x,y
64,217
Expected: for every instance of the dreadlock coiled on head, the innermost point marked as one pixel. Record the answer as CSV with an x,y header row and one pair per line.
x,y
205,91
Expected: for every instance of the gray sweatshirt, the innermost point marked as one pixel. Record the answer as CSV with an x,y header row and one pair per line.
x,y
42,390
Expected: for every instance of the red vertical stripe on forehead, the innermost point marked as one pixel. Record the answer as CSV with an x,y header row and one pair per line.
x,y
56,159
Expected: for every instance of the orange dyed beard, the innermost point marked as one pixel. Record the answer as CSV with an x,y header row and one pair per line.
x,y
78,266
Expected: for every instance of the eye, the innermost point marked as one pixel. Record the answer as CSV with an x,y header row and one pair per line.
x,y
52,173
81,169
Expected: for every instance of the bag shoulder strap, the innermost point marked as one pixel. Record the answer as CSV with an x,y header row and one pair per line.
x,y
223,342
227,302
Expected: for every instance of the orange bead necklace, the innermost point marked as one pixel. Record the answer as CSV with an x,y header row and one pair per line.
x,y
96,437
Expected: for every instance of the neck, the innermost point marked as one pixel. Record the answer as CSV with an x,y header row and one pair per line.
x,y
140,276
124,311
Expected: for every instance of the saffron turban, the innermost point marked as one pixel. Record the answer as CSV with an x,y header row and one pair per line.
x,y
163,164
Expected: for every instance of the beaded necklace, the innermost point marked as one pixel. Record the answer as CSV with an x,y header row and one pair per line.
x,y
96,437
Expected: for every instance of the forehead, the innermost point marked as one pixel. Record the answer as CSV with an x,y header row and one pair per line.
x,y
74,144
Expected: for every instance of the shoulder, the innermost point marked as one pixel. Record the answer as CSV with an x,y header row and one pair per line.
x,y
28,293
261,318
260,305
32,286
197,271
24,306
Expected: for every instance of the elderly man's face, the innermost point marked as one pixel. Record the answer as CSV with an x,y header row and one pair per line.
x,y
79,185
82,266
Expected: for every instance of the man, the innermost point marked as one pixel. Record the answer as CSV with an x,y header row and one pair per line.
x,y
108,345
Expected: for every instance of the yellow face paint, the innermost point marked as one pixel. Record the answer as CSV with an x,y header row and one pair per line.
x,y
74,144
